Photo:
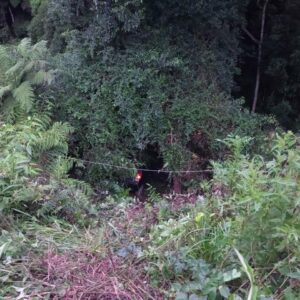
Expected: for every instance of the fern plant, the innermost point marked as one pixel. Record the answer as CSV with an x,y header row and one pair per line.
x,y
33,150
24,67
34,171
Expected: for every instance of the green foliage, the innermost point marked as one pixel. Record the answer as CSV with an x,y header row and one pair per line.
x,y
93,24
35,5
141,75
136,74
253,207
202,280
24,68
144,96
265,195
36,26
26,242
34,171
33,149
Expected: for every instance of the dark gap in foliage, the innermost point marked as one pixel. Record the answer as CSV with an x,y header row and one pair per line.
x,y
153,160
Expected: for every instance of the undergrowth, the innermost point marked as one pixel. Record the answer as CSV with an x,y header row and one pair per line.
x,y
102,87
252,206
34,166
238,241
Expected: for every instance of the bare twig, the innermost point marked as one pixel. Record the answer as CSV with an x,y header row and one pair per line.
x,y
11,15
250,35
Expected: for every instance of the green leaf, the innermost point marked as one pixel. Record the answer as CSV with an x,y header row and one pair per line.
x,y
181,296
231,275
15,70
224,291
3,248
289,295
294,275
24,47
248,270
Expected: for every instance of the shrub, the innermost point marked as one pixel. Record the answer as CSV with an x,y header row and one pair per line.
x,y
253,206
33,149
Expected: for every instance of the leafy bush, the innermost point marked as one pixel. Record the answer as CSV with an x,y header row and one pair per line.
x,y
137,76
253,206
142,96
33,149
34,171
261,198
94,24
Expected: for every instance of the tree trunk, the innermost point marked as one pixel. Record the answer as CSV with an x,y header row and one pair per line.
x,y
177,186
259,57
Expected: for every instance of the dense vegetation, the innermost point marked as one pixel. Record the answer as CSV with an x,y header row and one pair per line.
x,y
176,85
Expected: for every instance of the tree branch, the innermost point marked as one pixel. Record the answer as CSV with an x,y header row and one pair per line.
x,y
11,15
250,35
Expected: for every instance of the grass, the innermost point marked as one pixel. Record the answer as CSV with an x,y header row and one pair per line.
x,y
62,261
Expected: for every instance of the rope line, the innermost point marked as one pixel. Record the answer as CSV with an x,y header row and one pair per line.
x,y
141,169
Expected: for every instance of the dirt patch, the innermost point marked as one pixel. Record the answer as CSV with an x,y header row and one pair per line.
x,y
179,201
84,276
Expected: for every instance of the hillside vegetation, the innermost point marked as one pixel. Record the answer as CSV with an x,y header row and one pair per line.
x,y
203,92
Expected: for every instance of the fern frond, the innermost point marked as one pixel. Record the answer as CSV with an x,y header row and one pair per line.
x,y
42,77
60,167
42,122
29,67
24,95
15,70
39,50
24,68
11,109
64,129
24,47
52,142
82,186
5,59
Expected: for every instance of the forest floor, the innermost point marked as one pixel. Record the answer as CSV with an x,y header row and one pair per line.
x,y
103,263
